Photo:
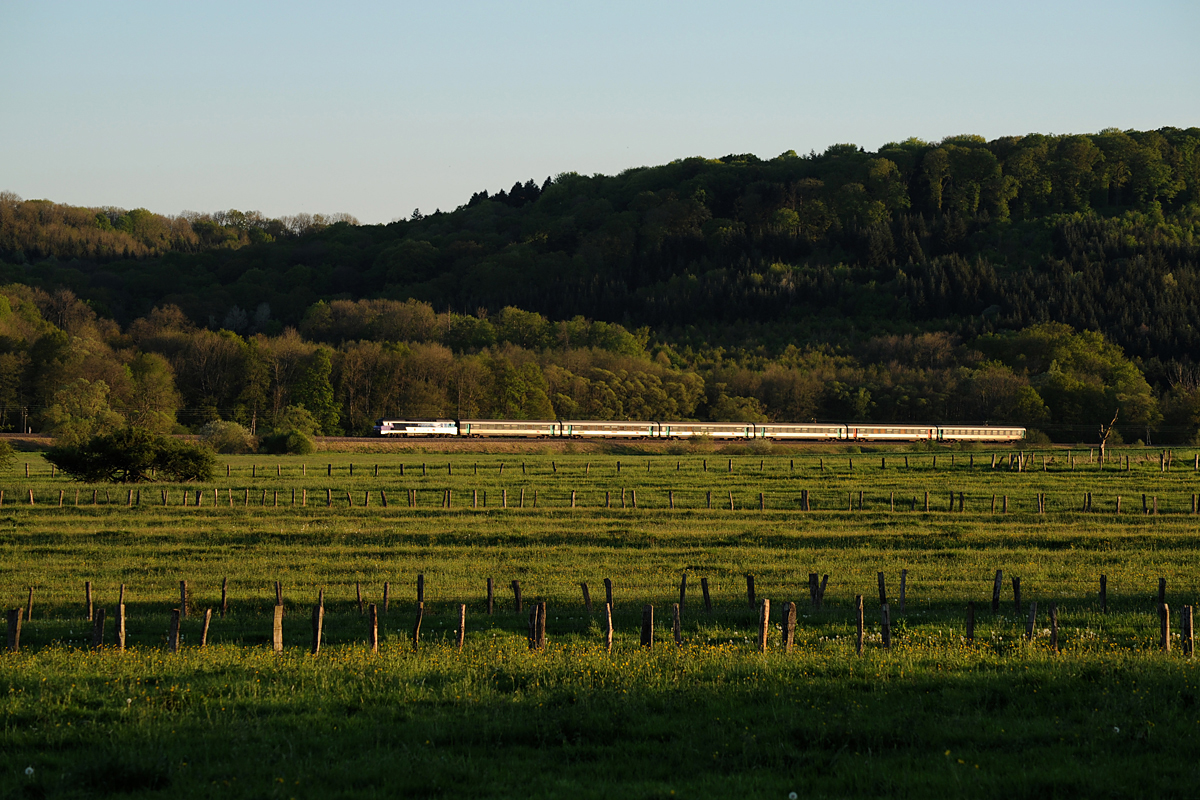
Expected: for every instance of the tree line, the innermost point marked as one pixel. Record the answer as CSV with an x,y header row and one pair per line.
x,y
66,370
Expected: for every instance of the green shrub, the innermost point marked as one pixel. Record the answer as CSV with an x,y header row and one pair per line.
x,y
133,455
288,443
7,455
227,437
1036,437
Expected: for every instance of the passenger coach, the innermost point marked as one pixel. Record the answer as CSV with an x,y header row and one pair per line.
x,y
781,431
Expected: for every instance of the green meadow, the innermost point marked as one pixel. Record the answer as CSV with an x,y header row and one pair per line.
x,y
1108,715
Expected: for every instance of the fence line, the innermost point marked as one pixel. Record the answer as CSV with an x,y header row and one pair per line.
x,y
760,617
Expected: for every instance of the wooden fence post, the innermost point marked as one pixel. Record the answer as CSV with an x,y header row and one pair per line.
x,y
1104,594
277,630
996,591
648,626
903,582
421,587
373,628
358,596
490,597
608,591
416,632
14,630
173,631
387,595
789,627
462,625
224,596
87,591
120,633
608,627
1188,643
882,591
204,630
587,597
1031,621
1054,627
682,590
858,623
707,598
1162,591
1016,585
29,606
318,623
278,593
1164,622
764,624
676,624
184,598
885,615
98,629
516,587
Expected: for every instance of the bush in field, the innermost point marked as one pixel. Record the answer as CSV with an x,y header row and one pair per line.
x,y
228,437
1035,437
288,443
133,455
294,429
7,455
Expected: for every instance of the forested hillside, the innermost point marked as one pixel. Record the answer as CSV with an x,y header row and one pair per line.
x,y
1048,280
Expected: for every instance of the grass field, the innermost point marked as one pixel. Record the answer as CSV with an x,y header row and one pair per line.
x,y
1108,716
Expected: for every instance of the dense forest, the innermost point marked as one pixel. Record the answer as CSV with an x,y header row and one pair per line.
x,y
1047,280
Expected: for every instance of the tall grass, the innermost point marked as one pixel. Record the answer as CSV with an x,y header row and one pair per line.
x,y
1109,715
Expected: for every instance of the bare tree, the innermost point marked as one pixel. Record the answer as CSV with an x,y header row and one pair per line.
x,y
1105,430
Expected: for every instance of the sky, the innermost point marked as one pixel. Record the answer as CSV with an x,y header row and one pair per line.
x,y
377,109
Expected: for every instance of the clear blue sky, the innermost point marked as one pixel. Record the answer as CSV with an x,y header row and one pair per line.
x,y
377,108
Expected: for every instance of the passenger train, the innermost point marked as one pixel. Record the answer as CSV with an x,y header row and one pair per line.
x,y
782,431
